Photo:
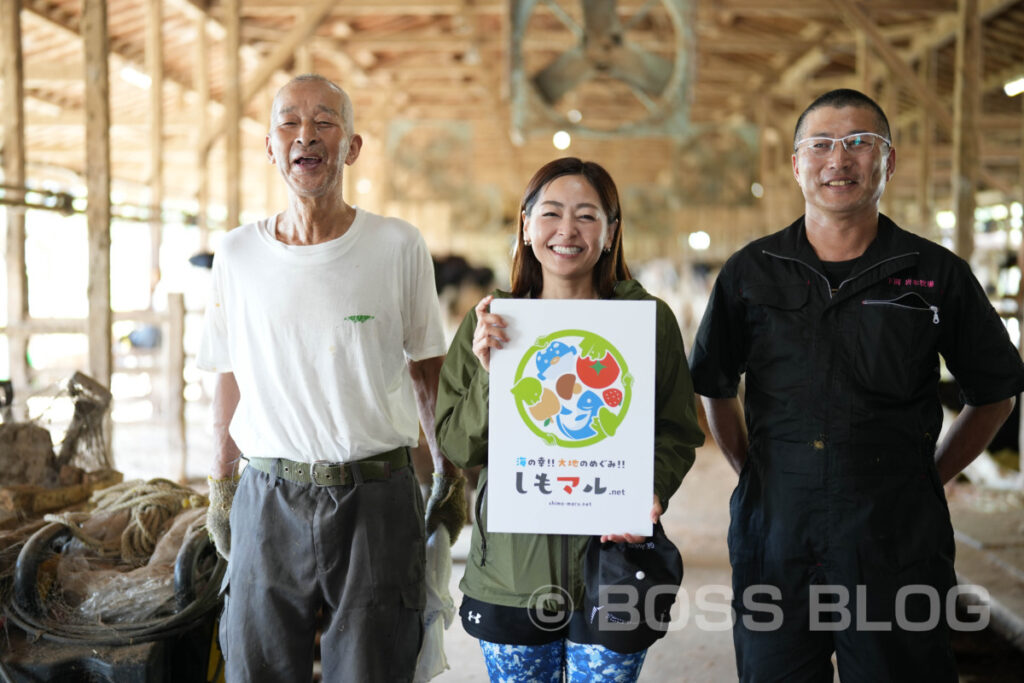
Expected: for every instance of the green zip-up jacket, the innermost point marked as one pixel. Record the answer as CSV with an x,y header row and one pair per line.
x,y
506,569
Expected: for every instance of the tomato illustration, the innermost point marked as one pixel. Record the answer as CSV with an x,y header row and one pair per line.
x,y
597,374
612,397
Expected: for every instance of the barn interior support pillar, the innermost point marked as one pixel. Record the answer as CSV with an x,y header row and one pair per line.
x,y
155,70
966,143
14,174
202,80
232,112
98,179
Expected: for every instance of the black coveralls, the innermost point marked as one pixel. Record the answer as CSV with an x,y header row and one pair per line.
x,y
840,490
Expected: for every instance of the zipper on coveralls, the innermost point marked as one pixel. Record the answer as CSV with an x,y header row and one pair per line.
x,y
892,302
828,285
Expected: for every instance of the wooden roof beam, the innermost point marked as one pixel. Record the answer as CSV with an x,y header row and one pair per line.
x,y
120,51
943,29
997,80
281,53
858,21
812,9
378,7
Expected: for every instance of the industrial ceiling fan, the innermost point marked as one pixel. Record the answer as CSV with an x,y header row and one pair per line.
x,y
603,49
636,54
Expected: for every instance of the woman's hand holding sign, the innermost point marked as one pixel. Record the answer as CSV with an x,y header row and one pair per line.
x,y
489,334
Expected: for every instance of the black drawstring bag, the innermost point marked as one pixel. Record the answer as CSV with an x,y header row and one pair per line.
x,y
629,591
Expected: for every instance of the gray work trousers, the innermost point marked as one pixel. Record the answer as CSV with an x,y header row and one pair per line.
x,y
355,551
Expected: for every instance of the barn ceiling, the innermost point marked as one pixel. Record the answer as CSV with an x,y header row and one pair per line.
x,y
683,94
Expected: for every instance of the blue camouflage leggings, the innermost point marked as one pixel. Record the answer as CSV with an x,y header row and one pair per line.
x,y
546,663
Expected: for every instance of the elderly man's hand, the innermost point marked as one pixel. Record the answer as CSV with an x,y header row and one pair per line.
x,y
447,505
218,524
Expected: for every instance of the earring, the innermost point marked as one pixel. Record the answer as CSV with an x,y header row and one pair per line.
x,y
606,249
526,242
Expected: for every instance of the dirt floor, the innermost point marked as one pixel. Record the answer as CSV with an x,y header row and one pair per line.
x,y
697,521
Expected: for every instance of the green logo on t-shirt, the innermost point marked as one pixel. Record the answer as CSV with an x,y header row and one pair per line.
x,y
359,318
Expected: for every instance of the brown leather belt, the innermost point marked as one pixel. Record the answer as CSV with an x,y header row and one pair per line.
x,y
378,467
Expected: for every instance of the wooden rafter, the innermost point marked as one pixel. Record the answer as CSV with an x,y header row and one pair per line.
x,y
282,53
407,60
859,21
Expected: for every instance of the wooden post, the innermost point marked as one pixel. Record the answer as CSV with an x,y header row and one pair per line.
x,y
768,144
303,59
925,140
202,80
1020,285
176,381
864,63
232,112
155,69
14,174
889,100
855,17
97,174
966,103
1020,249
283,52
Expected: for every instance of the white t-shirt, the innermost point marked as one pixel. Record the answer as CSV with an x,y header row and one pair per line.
x,y
318,336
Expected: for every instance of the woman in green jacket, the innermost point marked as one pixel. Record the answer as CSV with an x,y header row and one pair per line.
x,y
568,246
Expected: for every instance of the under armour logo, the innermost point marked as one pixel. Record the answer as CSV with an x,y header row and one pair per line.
x,y
474,617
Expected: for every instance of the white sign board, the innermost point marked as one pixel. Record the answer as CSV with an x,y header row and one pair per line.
x,y
571,436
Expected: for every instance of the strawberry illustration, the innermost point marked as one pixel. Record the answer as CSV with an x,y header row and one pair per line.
x,y
612,397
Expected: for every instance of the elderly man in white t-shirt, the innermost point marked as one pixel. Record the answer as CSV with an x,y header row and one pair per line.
x,y
325,329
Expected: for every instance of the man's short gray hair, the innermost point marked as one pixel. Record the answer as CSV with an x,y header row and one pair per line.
x,y
347,113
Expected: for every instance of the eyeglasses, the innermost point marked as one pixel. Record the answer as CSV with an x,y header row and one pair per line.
x,y
858,143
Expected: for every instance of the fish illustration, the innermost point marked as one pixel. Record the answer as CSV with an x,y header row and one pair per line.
x,y
576,424
550,356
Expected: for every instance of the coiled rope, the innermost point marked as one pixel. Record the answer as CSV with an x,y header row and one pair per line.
x,y
150,504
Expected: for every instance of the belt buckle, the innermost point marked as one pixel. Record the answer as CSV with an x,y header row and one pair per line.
x,y
334,475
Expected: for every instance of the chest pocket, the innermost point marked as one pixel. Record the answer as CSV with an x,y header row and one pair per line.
x,y
779,327
896,341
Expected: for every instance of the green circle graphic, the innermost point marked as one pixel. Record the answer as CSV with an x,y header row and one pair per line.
x,y
572,388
